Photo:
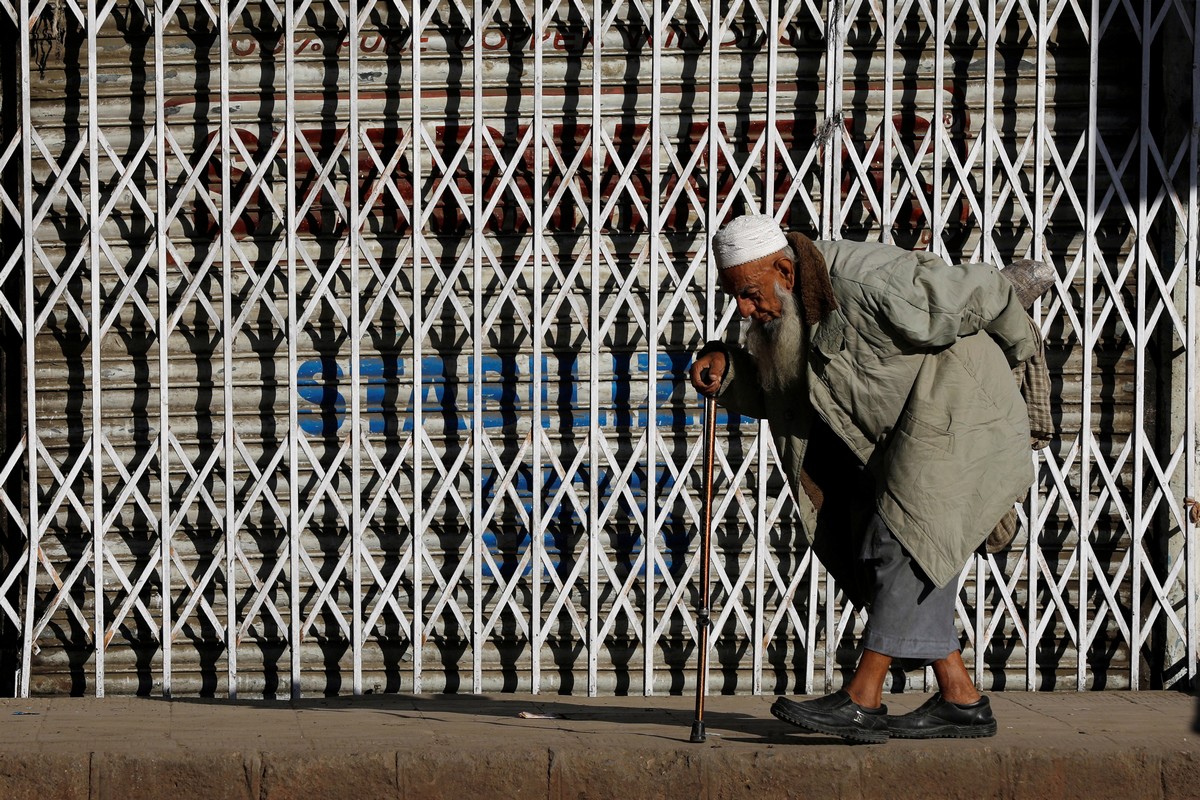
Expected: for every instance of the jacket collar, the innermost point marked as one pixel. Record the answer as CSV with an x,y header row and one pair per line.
x,y
813,289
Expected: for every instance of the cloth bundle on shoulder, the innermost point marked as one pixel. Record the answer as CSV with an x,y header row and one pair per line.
x,y
1031,279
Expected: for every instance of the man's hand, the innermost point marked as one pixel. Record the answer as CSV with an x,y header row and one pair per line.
x,y
707,371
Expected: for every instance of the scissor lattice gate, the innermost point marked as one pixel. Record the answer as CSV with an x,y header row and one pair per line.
x,y
345,343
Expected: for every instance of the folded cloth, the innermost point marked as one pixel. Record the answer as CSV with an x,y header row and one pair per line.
x,y
1033,378
1004,532
1032,279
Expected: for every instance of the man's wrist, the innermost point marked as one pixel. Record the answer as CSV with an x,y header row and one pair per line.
x,y
716,346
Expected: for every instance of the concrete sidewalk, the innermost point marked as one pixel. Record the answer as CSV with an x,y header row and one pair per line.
x,y
1115,745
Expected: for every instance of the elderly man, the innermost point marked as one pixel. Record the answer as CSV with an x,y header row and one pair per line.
x,y
886,376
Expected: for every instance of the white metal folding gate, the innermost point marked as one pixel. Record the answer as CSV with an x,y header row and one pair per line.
x,y
345,343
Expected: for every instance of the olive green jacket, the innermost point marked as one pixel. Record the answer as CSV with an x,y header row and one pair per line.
x,y
913,371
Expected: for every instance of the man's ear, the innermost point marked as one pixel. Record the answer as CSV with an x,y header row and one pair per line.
x,y
787,270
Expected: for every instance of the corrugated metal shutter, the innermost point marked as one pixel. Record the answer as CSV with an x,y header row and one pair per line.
x,y
399,309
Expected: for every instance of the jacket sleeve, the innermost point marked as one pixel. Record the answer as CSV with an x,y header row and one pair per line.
x,y
932,304
741,391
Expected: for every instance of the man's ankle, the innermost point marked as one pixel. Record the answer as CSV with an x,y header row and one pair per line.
x,y
961,697
865,699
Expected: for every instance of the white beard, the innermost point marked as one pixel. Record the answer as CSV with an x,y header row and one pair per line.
x,y
778,345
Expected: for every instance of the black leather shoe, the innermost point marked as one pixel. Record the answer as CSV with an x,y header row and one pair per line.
x,y
837,715
938,718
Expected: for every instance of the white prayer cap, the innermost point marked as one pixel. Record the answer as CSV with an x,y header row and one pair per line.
x,y
747,239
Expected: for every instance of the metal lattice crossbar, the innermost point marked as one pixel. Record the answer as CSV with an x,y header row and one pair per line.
x,y
345,345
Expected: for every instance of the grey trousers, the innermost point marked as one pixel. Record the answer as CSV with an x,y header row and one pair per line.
x,y
909,618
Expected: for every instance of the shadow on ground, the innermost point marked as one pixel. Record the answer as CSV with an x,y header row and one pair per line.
x,y
672,723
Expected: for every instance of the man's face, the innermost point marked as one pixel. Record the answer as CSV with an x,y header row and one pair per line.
x,y
753,286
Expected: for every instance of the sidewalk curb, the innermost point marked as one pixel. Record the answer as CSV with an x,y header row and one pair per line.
x,y
1126,746
1130,774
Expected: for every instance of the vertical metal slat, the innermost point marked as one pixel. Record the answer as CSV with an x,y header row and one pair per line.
x,y
32,439
356,438
885,125
295,626
1192,381
594,644
761,526
95,335
418,327
227,336
166,529
1141,334
1088,339
537,544
478,202
1033,528
711,226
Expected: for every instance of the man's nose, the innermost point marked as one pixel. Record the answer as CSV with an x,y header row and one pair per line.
x,y
745,307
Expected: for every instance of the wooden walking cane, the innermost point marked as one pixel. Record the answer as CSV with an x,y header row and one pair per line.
x,y
703,623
